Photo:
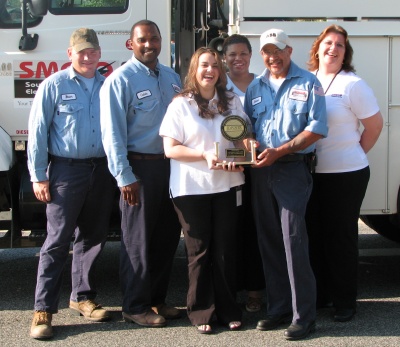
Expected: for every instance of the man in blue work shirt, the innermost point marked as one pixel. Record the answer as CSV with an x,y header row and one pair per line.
x,y
77,186
287,108
134,99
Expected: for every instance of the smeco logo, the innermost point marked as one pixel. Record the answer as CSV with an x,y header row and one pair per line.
x,y
29,74
43,69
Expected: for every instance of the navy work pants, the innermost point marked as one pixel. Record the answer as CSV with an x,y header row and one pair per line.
x,y
82,193
150,236
280,193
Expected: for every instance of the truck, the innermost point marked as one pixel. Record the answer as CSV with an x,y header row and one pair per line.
x,y
34,36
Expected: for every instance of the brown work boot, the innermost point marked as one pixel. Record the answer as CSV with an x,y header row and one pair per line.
x,y
41,325
168,312
90,310
147,319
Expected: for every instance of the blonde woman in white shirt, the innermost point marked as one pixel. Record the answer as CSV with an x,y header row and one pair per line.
x,y
206,195
342,172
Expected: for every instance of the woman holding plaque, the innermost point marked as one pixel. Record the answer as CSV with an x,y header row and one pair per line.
x,y
237,54
206,186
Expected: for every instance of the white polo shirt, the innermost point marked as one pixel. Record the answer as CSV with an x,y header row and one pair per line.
x,y
348,100
183,123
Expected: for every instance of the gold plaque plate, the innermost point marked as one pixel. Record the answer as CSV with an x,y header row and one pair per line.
x,y
234,128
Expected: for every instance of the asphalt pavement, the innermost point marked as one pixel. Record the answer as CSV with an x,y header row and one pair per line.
x,y
376,323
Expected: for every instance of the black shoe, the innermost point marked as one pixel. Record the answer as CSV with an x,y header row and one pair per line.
x,y
272,322
344,314
299,331
324,304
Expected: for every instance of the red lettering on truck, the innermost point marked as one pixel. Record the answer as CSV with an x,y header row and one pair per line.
x,y
44,69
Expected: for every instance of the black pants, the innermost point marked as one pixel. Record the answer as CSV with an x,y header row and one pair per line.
x,y
209,222
249,263
332,223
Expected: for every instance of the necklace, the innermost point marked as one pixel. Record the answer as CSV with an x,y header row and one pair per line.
x,y
337,73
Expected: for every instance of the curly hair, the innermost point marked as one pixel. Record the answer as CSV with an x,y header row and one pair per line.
x,y
234,39
313,62
192,88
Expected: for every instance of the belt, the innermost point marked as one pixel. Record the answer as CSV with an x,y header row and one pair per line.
x,y
291,157
145,156
94,160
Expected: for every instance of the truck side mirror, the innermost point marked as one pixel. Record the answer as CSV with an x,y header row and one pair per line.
x,y
38,8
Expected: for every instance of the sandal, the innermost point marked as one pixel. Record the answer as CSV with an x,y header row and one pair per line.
x,y
235,325
204,329
253,304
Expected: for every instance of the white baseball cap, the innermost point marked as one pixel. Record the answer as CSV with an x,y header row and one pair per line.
x,y
276,37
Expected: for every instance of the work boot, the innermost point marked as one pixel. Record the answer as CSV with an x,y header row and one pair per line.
x,y
146,319
168,312
90,310
41,325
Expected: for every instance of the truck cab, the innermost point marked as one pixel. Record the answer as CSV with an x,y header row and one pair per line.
x,y
34,37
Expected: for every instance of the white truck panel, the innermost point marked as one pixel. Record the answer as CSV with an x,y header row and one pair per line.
x,y
319,9
375,48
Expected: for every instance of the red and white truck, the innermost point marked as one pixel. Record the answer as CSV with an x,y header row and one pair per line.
x,y
34,36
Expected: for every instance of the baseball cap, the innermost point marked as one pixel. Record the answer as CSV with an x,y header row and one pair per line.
x,y
276,37
84,38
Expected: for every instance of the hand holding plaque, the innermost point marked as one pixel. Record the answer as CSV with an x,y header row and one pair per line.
x,y
236,128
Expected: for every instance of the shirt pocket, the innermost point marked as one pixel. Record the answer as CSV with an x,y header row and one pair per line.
x,y
299,117
67,116
259,112
146,111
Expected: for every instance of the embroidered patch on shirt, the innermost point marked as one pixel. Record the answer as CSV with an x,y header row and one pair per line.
x,y
298,94
177,89
68,96
319,90
337,95
143,94
256,101
63,108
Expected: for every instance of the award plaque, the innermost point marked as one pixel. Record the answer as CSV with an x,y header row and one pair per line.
x,y
235,129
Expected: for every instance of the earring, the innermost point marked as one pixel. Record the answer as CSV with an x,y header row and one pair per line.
x,y
316,55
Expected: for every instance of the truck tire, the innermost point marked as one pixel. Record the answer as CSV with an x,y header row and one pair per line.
x,y
385,225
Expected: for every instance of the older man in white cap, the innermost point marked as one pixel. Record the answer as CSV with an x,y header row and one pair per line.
x,y
287,107
77,187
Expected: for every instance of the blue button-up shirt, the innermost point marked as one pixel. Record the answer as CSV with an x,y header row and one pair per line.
x,y
64,121
279,117
133,104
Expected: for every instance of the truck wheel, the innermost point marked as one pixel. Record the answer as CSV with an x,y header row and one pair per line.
x,y
385,225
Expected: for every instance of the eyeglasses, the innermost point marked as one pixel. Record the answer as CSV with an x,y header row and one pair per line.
x,y
275,52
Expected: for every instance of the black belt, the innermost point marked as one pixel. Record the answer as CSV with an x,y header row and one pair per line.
x,y
291,157
94,160
145,156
